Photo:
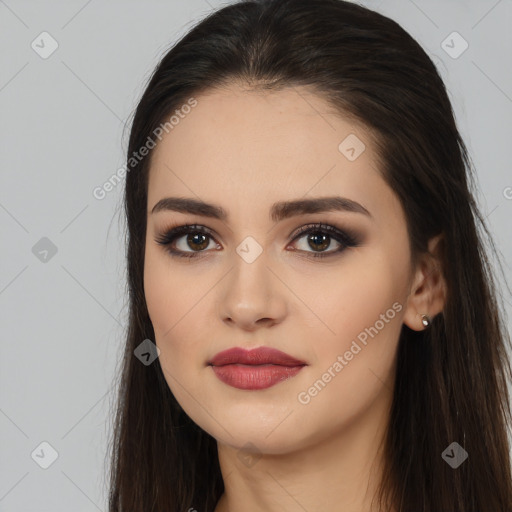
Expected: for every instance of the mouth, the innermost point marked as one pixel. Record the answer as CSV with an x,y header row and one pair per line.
x,y
256,369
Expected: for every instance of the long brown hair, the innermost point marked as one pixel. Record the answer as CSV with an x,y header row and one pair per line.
x,y
451,379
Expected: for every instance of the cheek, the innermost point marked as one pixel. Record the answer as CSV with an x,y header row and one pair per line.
x,y
157,283
170,293
347,298
360,310
175,301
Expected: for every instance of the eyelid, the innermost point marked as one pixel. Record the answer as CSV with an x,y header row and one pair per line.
x,y
174,231
346,237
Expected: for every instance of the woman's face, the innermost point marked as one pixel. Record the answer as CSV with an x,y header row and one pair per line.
x,y
252,282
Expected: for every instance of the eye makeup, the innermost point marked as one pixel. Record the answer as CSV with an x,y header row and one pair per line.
x,y
319,234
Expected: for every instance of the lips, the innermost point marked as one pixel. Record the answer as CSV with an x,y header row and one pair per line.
x,y
257,356
255,369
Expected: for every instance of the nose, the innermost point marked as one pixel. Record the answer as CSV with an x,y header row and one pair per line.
x,y
252,296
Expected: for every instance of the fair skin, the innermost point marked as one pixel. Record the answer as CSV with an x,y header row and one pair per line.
x,y
244,151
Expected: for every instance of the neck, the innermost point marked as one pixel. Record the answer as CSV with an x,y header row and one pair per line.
x,y
339,472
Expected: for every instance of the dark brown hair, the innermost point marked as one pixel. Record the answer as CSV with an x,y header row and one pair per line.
x,y
451,379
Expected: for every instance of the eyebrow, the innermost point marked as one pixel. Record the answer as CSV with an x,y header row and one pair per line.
x,y
278,211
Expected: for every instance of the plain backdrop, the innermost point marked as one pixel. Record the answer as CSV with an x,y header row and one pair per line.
x,y
62,292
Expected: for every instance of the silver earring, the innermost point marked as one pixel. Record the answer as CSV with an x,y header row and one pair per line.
x,y
426,320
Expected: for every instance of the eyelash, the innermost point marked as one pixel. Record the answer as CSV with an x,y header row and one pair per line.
x,y
345,238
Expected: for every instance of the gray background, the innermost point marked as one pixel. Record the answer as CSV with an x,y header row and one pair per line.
x,y
62,135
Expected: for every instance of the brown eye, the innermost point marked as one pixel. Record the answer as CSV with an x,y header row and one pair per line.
x,y
196,240
319,238
318,241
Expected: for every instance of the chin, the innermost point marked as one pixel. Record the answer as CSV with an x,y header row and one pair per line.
x,y
251,436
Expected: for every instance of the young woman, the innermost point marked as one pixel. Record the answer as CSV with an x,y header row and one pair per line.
x,y
314,323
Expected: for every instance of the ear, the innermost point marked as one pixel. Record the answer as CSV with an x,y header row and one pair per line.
x,y
428,287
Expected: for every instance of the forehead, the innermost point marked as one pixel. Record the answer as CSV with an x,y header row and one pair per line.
x,y
238,147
